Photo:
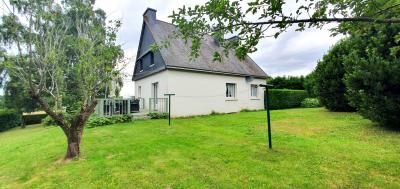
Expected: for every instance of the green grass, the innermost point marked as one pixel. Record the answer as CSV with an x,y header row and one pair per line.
x,y
313,148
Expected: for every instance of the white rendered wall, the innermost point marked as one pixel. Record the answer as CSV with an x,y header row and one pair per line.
x,y
146,86
201,93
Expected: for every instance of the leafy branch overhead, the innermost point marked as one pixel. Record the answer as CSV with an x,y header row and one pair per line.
x,y
253,20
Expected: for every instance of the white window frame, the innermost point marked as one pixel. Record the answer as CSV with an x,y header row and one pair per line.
x,y
230,91
255,88
154,90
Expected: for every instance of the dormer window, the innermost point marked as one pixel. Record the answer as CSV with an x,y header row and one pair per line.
x,y
140,65
151,58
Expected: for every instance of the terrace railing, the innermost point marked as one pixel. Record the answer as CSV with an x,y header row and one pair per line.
x,y
115,106
158,105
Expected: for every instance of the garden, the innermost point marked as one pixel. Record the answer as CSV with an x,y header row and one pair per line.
x,y
337,127
312,148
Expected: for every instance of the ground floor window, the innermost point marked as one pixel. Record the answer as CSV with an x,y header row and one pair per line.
x,y
254,90
231,90
139,92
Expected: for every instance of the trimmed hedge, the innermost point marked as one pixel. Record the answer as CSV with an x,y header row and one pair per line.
x,y
9,119
33,118
285,98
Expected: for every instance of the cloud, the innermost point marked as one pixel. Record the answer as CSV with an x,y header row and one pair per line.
x,y
292,53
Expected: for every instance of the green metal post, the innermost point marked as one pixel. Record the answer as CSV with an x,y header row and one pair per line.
x,y
169,110
268,114
169,107
269,121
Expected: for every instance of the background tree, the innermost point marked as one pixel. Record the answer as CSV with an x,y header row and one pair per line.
x,y
15,95
329,76
372,72
64,50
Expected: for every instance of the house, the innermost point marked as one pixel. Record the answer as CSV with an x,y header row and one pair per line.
x,y
200,85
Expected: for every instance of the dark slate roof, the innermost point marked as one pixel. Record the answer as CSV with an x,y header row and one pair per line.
x,y
177,55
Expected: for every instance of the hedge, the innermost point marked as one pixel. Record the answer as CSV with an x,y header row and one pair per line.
x,y
285,98
9,119
30,119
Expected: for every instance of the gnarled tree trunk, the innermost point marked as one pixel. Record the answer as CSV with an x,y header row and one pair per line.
x,y
74,141
72,129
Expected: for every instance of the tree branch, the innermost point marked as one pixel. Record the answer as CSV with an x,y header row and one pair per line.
x,y
311,20
46,107
388,8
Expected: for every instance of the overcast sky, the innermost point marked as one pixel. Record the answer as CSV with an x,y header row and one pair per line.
x,y
293,53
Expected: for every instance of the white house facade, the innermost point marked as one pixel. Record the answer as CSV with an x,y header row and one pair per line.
x,y
201,86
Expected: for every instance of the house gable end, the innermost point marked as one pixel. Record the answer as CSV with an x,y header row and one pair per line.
x,y
147,62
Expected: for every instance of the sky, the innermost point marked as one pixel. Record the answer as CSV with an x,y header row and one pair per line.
x,y
292,53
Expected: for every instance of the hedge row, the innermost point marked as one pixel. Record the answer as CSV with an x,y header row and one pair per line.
x,y
286,98
9,119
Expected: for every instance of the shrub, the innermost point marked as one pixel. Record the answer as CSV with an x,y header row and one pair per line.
x,y
48,121
9,119
96,121
156,115
329,76
285,98
310,85
374,88
33,118
310,103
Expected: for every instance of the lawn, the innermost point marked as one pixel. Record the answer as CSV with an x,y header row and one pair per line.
x,y
313,148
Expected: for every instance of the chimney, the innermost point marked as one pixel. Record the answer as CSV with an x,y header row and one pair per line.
x,y
150,15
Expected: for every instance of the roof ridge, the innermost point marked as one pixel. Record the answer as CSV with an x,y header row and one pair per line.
x,y
174,57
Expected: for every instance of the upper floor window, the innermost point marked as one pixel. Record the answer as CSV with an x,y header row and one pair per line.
x,y
151,58
140,65
254,90
231,90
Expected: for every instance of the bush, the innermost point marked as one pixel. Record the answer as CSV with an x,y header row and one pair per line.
x,y
48,121
96,121
310,85
310,103
156,115
9,119
30,119
329,76
285,98
374,88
